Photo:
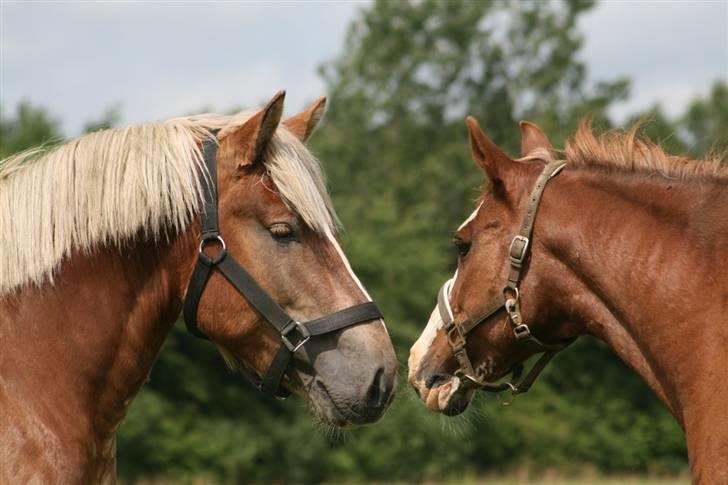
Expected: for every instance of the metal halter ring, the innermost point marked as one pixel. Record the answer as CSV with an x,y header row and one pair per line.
x,y
511,397
467,379
514,289
219,256
510,305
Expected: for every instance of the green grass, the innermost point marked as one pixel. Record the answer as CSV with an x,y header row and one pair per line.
x,y
554,478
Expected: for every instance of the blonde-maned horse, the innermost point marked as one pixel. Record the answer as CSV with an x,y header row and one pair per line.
x,y
620,241
104,237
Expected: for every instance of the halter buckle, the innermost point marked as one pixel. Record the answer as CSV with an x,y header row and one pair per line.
x,y
303,335
455,337
518,250
522,331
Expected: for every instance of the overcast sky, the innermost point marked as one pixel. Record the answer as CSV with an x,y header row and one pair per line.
x,y
158,60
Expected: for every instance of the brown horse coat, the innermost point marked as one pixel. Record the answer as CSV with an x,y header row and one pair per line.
x,y
630,245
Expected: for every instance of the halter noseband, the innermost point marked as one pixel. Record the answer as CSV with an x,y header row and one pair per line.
x,y
457,331
293,334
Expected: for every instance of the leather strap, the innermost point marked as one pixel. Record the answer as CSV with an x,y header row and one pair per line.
x,y
518,252
208,217
274,375
256,296
521,243
495,305
198,281
344,318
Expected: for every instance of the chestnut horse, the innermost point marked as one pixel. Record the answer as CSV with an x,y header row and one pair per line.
x,y
98,241
628,245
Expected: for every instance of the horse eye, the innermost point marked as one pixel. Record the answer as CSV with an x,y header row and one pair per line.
x,y
281,231
462,246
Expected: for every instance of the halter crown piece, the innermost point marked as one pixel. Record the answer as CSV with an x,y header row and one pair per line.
x,y
510,299
293,334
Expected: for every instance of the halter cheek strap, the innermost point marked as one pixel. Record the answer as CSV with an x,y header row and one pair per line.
x,y
509,299
293,334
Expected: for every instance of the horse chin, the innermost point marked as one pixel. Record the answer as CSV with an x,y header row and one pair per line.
x,y
334,410
450,398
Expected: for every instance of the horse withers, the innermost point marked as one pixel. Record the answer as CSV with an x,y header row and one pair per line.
x,y
619,241
103,238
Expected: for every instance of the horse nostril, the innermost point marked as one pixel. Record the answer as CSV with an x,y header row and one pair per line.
x,y
377,393
435,379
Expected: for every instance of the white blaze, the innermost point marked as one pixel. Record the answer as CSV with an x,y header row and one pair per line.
x,y
420,349
336,245
471,217
423,344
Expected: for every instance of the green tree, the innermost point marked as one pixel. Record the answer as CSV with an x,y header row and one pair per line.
x,y
395,142
398,159
702,131
706,122
109,119
31,126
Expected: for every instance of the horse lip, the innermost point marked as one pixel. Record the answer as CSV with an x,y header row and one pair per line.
x,y
456,399
344,414
455,408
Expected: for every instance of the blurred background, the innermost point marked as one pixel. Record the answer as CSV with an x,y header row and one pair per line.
x,y
400,77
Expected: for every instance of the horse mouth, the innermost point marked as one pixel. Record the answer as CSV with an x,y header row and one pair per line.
x,y
336,411
450,398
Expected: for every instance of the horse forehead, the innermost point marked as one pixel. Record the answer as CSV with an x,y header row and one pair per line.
x,y
255,190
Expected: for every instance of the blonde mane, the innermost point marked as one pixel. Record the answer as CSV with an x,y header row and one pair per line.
x,y
107,187
627,150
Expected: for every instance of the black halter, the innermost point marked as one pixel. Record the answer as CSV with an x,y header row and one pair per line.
x,y
293,334
510,299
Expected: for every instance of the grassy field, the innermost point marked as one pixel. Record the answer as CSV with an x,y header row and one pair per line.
x,y
547,479
586,481
556,479
516,479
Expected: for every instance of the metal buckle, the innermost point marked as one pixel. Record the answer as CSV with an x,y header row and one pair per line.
x,y
467,379
455,337
514,311
302,331
522,331
518,258
220,255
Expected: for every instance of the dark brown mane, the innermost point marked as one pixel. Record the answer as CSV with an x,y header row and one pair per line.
x,y
627,150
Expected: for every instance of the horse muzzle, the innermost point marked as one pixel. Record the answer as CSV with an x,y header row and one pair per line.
x,y
446,394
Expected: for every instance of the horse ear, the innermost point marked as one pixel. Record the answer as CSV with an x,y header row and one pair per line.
x,y
486,154
533,138
247,143
304,123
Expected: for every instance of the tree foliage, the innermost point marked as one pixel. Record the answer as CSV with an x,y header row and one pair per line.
x,y
31,126
395,145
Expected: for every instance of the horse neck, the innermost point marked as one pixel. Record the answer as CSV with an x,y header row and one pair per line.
x,y
87,342
641,262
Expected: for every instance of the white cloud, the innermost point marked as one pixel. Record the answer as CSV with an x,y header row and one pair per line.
x,y
672,51
162,60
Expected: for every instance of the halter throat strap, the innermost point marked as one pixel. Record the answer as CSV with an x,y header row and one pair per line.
x,y
293,334
457,331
